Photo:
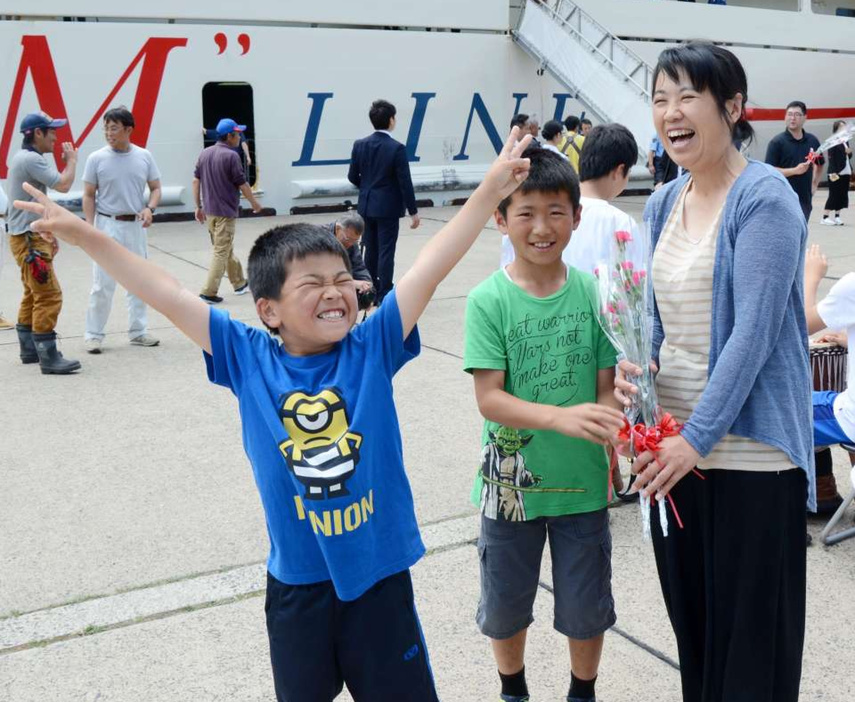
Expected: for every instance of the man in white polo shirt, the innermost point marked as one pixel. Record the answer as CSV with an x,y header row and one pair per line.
x,y
114,182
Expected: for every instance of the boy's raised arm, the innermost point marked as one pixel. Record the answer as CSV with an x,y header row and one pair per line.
x,y
138,276
445,250
816,266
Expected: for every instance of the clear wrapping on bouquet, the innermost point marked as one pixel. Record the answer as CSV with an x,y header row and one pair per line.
x,y
625,307
625,313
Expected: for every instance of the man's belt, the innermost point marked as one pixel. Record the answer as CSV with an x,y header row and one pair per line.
x,y
120,218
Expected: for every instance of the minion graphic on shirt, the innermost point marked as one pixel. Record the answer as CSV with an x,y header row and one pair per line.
x,y
320,450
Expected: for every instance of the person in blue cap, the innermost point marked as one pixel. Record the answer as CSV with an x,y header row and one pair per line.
x,y
210,135
218,181
42,299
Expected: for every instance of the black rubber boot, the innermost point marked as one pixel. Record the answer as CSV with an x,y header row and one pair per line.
x,y
28,346
50,359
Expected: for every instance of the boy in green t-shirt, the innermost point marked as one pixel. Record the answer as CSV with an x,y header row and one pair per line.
x,y
541,363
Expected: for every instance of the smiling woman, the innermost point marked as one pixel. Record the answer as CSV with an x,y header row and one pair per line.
x,y
698,104
729,325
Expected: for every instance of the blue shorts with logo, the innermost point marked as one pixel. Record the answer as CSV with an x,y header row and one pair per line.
x,y
373,644
826,429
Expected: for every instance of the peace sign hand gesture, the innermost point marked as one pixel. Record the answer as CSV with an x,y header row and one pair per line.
x,y
509,169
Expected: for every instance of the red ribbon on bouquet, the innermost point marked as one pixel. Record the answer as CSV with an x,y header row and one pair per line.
x,y
644,438
813,156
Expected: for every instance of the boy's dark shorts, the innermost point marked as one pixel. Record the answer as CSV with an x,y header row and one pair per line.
x,y
374,644
510,554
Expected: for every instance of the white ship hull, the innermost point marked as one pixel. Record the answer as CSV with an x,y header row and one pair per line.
x,y
304,76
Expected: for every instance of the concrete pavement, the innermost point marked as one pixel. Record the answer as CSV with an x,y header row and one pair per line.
x,y
132,541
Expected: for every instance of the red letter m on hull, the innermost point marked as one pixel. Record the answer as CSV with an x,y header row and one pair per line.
x,y
36,59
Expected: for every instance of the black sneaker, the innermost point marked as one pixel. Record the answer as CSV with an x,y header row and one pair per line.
x,y
212,299
242,290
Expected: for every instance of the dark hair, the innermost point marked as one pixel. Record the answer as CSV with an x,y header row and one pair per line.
x,y
549,173
836,125
713,68
572,123
607,146
30,136
274,250
120,115
800,105
519,120
552,129
381,114
585,120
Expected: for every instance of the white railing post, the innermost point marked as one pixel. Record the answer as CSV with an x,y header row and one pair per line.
x,y
629,73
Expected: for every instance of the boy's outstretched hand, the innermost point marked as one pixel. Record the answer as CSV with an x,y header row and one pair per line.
x,y
54,220
592,422
509,169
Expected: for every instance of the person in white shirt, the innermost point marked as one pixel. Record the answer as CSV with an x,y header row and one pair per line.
x,y
609,154
833,412
114,200
553,135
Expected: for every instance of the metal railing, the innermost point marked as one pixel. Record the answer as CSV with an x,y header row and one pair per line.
x,y
599,41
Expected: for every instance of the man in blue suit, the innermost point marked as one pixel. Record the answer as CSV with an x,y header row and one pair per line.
x,y
379,168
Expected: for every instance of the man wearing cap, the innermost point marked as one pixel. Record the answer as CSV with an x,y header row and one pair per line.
x,y
114,200
218,179
242,149
42,299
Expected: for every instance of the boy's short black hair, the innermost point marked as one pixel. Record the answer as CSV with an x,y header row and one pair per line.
x,y
607,146
585,120
549,173
274,250
552,129
381,114
519,120
572,123
120,115
800,105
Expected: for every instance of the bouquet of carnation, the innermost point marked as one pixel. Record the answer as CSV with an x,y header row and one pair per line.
x,y
625,307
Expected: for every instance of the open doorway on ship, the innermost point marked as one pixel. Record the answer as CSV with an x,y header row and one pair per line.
x,y
234,100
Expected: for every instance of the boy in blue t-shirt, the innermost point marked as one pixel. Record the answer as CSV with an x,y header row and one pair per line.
x,y
321,433
543,371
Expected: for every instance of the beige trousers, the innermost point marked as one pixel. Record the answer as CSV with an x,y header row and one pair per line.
x,y
223,260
